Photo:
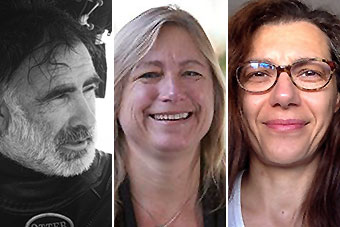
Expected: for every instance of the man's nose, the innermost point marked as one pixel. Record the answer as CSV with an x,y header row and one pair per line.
x,y
83,113
284,93
172,89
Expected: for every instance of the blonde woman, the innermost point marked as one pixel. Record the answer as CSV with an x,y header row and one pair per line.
x,y
169,123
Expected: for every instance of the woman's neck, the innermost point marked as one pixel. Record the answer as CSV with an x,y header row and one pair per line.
x,y
276,194
161,186
169,178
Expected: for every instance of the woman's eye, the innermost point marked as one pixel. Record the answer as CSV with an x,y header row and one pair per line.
x,y
149,75
192,73
309,73
256,77
260,74
257,74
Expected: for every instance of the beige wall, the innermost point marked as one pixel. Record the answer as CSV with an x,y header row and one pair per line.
x,y
332,6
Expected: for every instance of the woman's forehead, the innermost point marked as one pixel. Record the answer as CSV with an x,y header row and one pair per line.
x,y
288,42
173,42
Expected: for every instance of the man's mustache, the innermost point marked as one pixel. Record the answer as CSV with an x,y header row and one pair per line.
x,y
73,135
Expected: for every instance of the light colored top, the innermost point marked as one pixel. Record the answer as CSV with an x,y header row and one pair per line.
x,y
234,205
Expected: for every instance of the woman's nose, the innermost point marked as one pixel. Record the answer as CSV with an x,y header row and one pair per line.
x,y
284,93
172,89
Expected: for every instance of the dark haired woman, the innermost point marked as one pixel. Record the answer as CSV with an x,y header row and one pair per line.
x,y
284,116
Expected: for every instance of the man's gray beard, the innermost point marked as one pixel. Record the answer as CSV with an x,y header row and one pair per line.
x,y
30,143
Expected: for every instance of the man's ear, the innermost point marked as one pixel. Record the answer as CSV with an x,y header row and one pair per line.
x,y
4,117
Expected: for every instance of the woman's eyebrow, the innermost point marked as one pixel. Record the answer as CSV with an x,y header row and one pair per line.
x,y
267,60
159,64
191,62
156,63
270,61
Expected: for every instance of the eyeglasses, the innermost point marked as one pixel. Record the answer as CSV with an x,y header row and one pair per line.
x,y
306,74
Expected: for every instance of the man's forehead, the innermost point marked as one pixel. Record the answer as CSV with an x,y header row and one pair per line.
x,y
65,64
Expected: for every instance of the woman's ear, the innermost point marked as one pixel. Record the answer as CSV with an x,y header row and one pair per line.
x,y
4,117
337,103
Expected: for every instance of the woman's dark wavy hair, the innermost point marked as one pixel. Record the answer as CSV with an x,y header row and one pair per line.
x,y
321,206
29,28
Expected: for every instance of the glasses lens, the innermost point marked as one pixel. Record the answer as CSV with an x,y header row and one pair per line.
x,y
256,76
311,74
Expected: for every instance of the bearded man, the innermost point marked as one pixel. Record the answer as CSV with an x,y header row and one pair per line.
x,y
51,174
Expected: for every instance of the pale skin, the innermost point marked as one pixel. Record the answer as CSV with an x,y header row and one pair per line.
x,y
163,156
284,162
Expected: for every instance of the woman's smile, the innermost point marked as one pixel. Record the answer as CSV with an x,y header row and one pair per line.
x,y
169,100
285,125
171,116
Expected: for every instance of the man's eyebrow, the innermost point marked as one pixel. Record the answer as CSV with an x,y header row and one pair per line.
x,y
95,79
56,91
67,88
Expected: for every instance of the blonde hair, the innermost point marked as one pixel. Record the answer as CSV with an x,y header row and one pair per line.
x,y
132,43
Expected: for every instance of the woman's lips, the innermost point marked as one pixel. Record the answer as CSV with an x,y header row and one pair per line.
x,y
285,125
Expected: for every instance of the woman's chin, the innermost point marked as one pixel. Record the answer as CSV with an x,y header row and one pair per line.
x,y
286,157
174,146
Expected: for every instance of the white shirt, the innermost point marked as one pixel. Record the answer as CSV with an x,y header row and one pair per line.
x,y
234,205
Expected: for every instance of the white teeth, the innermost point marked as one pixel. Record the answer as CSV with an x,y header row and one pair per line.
x,y
171,116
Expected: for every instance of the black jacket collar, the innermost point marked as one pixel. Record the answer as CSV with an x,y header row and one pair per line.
x,y
23,190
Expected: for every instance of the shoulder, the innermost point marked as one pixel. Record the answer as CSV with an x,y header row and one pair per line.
x,y
125,215
213,209
102,170
100,193
102,164
234,204
104,157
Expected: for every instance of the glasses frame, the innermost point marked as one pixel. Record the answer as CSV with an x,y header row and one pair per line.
x,y
287,69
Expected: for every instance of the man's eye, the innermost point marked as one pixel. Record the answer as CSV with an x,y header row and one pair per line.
x,y
61,96
192,73
149,75
92,87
